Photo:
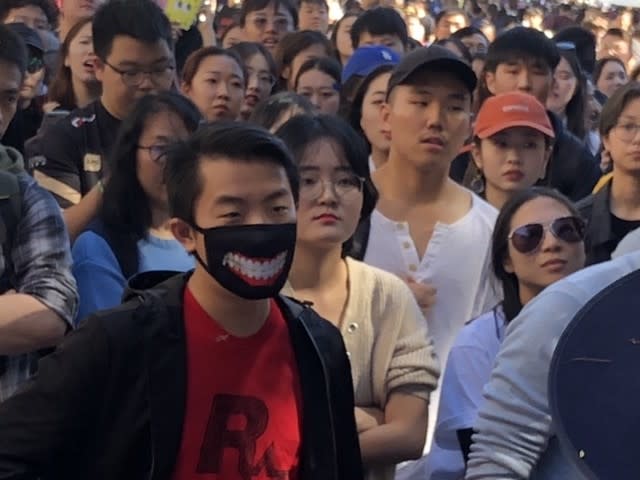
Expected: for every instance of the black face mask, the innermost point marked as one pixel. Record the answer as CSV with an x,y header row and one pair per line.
x,y
251,261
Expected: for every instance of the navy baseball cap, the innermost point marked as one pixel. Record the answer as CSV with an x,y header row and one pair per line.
x,y
366,59
29,36
433,58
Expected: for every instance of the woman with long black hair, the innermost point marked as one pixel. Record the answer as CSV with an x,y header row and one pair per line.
x,y
131,233
538,239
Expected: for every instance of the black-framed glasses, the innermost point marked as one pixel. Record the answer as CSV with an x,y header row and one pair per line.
x,y
135,76
35,64
527,238
157,152
627,131
312,186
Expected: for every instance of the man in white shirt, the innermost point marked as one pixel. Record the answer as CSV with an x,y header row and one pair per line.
x,y
515,436
427,229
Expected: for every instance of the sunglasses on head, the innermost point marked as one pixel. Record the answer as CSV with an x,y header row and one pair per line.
x,y
527,238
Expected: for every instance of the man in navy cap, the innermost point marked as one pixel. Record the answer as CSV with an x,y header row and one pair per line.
x,y
424,222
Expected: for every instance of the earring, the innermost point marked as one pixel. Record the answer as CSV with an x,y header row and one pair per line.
x,y
477,183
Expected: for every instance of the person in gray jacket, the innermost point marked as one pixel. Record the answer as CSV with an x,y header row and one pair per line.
x,y
515,436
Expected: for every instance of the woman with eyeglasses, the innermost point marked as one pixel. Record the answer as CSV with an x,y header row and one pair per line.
x,y
614,210
538,239
393,363
261,73
214,80
131,233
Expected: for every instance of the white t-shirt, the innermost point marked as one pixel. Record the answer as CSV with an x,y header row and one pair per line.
x,y
469,368
456,263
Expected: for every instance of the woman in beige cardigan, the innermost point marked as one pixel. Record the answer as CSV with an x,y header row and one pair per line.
x,y
393,363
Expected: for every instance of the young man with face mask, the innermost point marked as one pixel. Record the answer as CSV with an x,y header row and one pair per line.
x,y
205,374
134,58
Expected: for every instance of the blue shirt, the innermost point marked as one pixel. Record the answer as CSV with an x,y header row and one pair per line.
x,y
101,282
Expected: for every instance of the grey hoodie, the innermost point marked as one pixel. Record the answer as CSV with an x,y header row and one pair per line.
x,y
515,436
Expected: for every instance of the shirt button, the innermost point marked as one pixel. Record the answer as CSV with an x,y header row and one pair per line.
x,y
413,268
399,226
352,327
406,245
348,354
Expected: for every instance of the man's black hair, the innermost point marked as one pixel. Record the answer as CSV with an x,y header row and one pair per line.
x,y
254,5
47,6
585,42
468,32
321,3
13,51
521,43
142,20
239,142
379,21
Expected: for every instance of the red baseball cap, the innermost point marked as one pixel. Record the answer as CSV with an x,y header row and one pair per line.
x,y
514,109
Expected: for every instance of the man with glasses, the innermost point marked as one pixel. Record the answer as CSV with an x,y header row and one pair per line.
x,y
134,58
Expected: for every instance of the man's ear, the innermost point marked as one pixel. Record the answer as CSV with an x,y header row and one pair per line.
x,y
99,66
490,81
184,233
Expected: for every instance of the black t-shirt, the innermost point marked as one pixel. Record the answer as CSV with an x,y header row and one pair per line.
x,y
620,227
69,157
23,126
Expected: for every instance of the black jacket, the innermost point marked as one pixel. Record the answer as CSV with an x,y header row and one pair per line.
x,y
600,241
109,403
572,169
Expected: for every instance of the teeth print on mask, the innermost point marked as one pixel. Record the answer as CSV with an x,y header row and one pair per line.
x,y
251,261
255,271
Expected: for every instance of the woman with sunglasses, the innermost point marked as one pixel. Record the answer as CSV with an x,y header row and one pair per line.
x,y
614,210
538,239
132,232
392,360
29,115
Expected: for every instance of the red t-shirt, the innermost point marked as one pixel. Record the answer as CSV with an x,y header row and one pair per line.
x,y
243,405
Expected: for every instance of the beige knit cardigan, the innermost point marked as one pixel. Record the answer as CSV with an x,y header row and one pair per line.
x,y
387,341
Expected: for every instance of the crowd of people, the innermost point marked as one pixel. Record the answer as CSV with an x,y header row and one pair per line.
x,y
279,244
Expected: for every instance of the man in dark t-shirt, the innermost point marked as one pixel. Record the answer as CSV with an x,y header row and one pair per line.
x,y
133,59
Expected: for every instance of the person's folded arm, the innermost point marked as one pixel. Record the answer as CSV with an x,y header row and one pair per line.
x,y
44,305
401,437
514,422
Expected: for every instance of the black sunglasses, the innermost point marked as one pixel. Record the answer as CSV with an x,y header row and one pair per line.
x,y
528,238
35,64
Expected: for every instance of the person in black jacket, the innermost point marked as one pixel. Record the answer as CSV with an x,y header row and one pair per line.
x,y
524,59
614,210
206,373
